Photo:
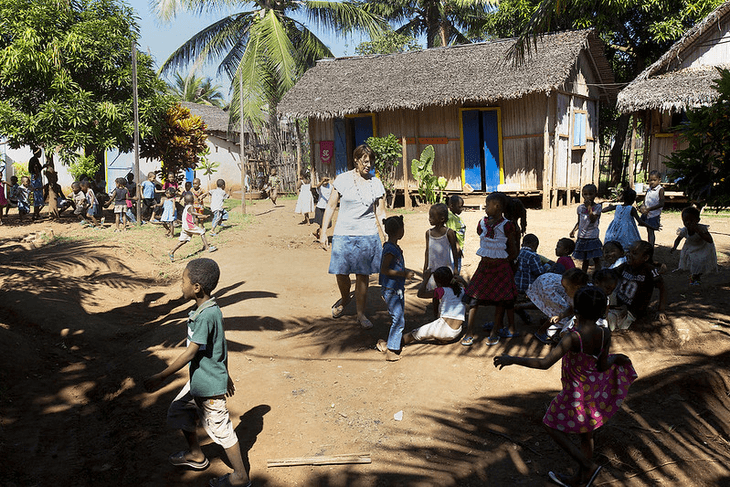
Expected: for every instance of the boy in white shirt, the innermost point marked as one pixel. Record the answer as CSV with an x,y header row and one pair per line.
x,y
217,197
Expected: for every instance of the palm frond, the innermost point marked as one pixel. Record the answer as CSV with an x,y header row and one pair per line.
x,y
345,17
257,83
166,10
309,46
538,24
279,50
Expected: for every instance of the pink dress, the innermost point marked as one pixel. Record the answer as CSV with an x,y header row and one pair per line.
x,y
589,398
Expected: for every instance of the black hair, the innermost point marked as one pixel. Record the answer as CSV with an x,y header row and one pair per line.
x,y
170,190
590,303
616,244
204,272
646,248
121,181
530,239
444,277
503,199
393,224
605,276
221,183
590,186
441,210
628,196
74,185
188,182
13,178
655,172
455,199
568,243
691,211
576,277
363,150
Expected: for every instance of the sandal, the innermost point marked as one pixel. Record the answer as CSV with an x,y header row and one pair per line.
x,y
559,479
467,341
593,477
172,257
382,346
337,310
492,340
505,333
365,323
178,459
212,248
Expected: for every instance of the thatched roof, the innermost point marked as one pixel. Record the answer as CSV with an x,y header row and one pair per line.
x,y
665,86
442,76
215,118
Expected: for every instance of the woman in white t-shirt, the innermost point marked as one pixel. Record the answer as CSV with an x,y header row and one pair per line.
x,y
356,245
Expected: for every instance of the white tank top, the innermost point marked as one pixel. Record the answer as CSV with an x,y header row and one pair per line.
x,y
496,246
652,199
439,252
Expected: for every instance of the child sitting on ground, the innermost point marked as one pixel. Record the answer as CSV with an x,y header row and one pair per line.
x,y
455,223
190,228
595,384
613,254
638,278
217,196
553,295
448,309
203,398
79,201
529,268
12,196
563,249
441,246
393,275
168,212
698,252
616,318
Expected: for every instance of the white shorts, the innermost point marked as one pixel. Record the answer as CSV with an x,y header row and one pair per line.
x,y
436,330
186,411
187,235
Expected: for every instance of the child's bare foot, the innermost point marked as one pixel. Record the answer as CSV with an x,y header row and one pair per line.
x,y
382,346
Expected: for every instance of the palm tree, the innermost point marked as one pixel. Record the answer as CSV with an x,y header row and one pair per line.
x,y
196,90
444,22
264,48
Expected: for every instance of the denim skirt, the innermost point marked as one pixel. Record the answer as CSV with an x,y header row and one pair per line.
x,y
355,254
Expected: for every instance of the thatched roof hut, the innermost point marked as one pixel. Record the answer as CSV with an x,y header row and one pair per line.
x,y
526,128
679,80
682,77
477,73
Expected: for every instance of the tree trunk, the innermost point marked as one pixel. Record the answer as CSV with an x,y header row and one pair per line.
x,y
617,159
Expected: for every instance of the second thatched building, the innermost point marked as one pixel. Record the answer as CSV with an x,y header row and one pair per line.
x,y
523,128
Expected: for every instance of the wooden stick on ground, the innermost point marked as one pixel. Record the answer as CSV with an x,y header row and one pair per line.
x,y
347,458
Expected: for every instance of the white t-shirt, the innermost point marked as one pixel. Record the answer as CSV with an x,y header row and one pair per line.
x,y
450,305
357,204
217,196
325,191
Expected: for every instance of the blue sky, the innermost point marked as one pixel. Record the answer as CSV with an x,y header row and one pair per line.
x,y
161,39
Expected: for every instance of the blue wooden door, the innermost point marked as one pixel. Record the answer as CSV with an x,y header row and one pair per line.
x,y
363,129
480,137
340,146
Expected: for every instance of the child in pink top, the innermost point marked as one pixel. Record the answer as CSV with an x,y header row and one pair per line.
x,y
190,227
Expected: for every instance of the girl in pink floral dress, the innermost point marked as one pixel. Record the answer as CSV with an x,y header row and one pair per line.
x,y
594,384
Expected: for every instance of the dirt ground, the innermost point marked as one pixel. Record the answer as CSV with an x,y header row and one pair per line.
x,y
86,315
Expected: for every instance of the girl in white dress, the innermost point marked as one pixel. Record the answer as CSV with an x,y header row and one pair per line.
x,y
305,201
698,252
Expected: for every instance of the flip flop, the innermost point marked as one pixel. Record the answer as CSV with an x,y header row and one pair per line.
x,y
505,333
467,341
178,459
365,323
337,310
492,341
172,257
593,477
224,482
212,248
559,479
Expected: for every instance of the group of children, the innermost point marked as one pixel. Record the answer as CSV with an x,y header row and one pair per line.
x,y
308,193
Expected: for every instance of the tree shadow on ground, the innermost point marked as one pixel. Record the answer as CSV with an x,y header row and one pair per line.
x,y
674,429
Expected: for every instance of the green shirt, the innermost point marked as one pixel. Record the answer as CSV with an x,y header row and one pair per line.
x,y
457,225
208,370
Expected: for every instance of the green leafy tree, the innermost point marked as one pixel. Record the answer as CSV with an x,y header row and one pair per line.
x,y
65,77
388,154
179,143
265,45
389,42
84,166
443,22
702,170
195,89
636,32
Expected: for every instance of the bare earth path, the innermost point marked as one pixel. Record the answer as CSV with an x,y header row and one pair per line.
x,y
84,320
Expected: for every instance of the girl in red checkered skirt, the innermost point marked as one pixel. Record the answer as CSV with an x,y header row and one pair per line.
x,y
493,283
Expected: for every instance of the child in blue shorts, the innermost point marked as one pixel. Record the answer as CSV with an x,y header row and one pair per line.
x,y
204,395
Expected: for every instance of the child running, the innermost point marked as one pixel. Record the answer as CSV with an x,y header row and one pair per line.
x,y
651,210
217,196
190,228
698,252
448,309
203,398
588,247
623,228
493,283
393,275
441,246
305,201
583,405
456,206
168,212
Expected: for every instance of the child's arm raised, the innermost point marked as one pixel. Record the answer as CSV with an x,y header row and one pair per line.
x,y
154,382
543,363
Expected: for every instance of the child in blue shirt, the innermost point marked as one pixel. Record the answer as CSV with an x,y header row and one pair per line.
x,y
393,275
148,190
204,395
